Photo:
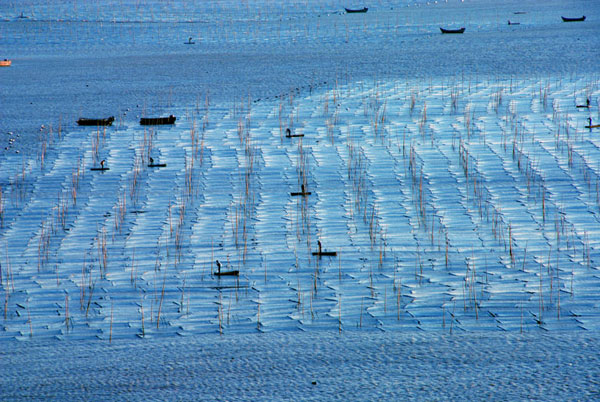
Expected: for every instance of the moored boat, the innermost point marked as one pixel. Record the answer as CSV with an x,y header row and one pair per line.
x,y
452,31
567,19
151,121
96,122
356,10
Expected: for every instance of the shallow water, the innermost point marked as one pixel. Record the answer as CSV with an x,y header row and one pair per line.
x,y
108,58
392,111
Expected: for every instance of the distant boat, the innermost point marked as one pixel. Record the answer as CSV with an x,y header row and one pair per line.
x,y
190,41
288,134
566,19
452,31
520,12
96,122
225,273
152,121
322,253
593,126
154,164
513,23
22,16
5,63
356,10
102,168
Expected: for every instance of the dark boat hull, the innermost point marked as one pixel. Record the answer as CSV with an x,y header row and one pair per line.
x,y
593,126
325,253
157,165
452,31
152,121
566,19
300,194
96,122
227,273
358,10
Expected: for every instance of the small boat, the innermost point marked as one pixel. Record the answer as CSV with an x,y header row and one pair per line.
x,y
325,253
102,167
153,164
288,134
520,12
322,253
513,23
151,121
566,19
587,104
593,126
189,42
356,10
302,193
96,122
228,273
5,63
225,273
22,16
452,31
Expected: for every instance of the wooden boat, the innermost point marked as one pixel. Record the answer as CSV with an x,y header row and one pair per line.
x,y
5,63
96,122
356,10
587,104
225,273
566,19
102,167
593,126
153,164
302,192
452,31
325,253
288,134
152,121
322,253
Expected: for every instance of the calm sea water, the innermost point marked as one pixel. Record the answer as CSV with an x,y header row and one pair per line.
x,y
110,57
